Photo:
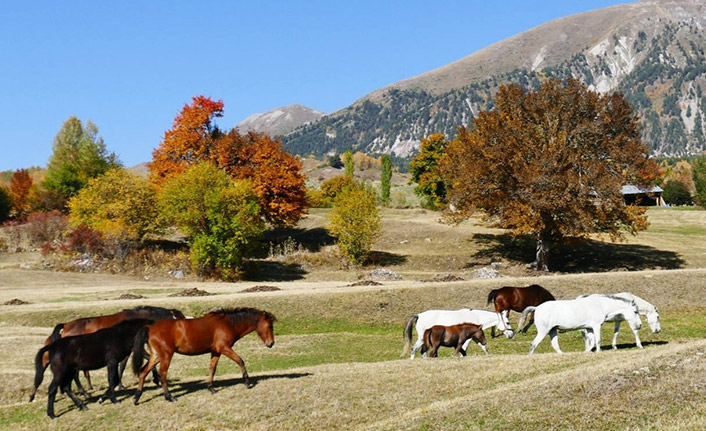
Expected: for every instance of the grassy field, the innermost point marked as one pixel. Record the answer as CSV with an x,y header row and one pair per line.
x,y
336,361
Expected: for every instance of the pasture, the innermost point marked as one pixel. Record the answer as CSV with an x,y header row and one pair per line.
x,y
336,360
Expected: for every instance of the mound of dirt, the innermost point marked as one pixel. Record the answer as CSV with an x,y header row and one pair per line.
x,y
192,292
260,289
130,296
443,278
364,283
383,274
15,302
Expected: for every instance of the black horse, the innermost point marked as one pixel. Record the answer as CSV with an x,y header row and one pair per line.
x,y
106,347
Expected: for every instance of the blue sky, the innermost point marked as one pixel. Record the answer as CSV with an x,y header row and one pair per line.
x,y
130,66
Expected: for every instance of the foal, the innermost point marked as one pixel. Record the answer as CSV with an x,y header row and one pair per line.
x,y
453,336
106,347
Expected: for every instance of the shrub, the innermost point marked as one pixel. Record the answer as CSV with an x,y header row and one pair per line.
x,y
355,222
220,215
5,204
84,240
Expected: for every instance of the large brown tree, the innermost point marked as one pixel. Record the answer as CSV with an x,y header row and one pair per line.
x,y
550,164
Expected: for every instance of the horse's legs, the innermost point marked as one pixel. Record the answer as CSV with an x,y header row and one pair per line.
x,y
113,381
121,370
163,368
418,345
230,353
154,359
212,370
527,326
434,351
637,338
79,386
87,375
53,386
615,334
541,333
66,388
587,341
554,337
485,348
597,337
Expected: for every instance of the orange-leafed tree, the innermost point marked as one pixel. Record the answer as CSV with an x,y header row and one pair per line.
x,y
276,175
190,140
550,164
20,185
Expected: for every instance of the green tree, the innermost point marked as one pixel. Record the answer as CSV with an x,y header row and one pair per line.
x,y
550,164
676,193
79,154
220,215
349,165
426,173
355,222
119,204
385,178
698,172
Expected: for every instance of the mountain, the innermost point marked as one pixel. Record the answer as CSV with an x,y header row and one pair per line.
x,y
280,121
652,51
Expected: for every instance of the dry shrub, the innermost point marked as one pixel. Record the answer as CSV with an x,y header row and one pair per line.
x,y
40,228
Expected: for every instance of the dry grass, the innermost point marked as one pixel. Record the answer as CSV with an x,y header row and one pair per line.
x,y
336,363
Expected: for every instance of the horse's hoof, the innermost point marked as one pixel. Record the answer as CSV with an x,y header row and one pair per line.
x,y
83,408
250,385
213,391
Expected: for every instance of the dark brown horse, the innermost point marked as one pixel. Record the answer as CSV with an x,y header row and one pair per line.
x,y
105,347
453,336
214,333
89,325
517,299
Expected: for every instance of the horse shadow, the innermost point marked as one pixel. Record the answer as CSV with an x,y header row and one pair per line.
x,y
187,387
575,256
634,346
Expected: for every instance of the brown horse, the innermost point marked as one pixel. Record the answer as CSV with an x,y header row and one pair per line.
x,y
89,325
453,336
214,333
517,299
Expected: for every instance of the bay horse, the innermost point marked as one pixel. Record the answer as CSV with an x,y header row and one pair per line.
x,y
214,333
453,336
644,308
88,325
425,320
105,347
587,313
517,299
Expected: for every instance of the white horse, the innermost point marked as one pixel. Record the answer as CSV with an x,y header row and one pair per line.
x,y
429,318
582,313
644,308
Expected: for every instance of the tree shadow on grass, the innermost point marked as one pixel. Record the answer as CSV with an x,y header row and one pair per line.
x,y
262,270
312,240
587,256
383,258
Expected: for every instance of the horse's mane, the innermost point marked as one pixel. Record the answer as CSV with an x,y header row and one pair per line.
x,y
157,312
607,295
240,314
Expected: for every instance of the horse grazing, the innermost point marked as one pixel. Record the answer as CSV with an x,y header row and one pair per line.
x,y
453,336
583,313
105,347
215,332
517,299
425,320
644,308
88,325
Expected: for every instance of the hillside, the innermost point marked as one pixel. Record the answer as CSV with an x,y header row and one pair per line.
x,y
280,121
653,51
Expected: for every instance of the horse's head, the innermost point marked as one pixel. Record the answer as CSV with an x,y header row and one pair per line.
x,y
653,321
504,325
633,318
265,328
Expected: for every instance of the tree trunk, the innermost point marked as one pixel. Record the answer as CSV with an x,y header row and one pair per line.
x,y
542,260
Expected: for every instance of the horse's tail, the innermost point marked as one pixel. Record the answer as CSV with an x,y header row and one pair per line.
x,y
56,333
138,349
525,313
38,370
492,296
408,333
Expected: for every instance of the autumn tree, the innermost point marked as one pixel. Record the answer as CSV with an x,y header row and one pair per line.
x,y
220,215
550,164
119,204
698,171
276,174
385,177
355,222
348,163
79,154
20,186
426,173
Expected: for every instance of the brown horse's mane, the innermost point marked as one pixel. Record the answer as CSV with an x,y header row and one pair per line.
x,y
157,312
239,314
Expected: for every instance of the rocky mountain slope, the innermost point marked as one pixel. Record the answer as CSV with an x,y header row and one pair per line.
x,y
280,121
652,50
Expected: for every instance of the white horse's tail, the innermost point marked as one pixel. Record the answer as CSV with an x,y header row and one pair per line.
x,y
525,313
408,334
